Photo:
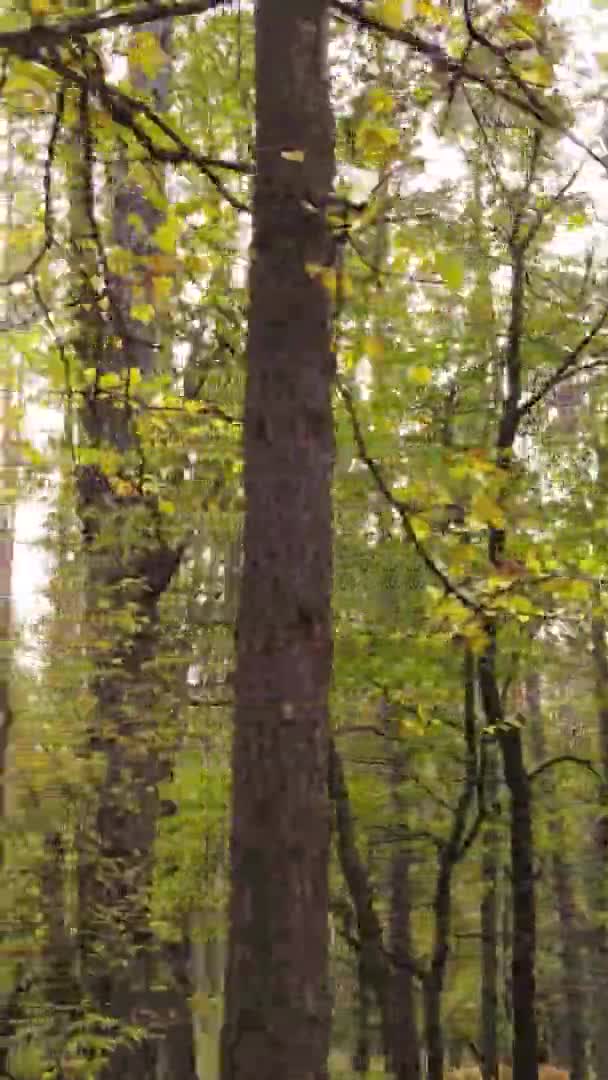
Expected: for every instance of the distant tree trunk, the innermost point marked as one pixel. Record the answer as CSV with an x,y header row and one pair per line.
x,y
572,1014
130,562
208,963
525,1037
7,512
506,938
450,854
7,526
378,965
405,1046
509,738
489,925
362,1053
277,997
599,959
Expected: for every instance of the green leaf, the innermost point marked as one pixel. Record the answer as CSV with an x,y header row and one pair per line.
x,y
165,236
451,268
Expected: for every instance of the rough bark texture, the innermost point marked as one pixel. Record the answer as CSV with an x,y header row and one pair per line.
x,y
572,1015
128,975
277,1005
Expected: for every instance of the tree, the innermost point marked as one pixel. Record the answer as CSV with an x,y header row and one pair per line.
x,y
277,1004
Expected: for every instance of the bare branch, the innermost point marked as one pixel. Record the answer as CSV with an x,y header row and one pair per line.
x,y
522,97
401,509
49,235
583,763
568,366
26,42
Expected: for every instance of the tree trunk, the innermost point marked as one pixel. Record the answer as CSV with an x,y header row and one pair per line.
x,y
599,963
7,514
362,1053
523,965
405,1046
130,563
489,926
277,996
572,1015
376,963
208,973
450,854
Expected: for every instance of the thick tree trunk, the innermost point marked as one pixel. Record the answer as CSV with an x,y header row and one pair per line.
x,y
125,970
277,996
489,927
572,1014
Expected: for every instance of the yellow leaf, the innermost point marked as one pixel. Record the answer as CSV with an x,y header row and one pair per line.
x,y
162,288
422,529
390,12
374,347
293,155
380,100
314,269
485,510
420,375
433,12
143,313
377,142
146,53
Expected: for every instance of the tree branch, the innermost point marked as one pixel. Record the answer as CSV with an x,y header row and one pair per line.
x,y
24,42
530,103
401,509
49,234
584,763
567,368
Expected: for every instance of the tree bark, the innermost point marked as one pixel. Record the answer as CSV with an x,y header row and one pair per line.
x,y
405,1045
525,1036
130,562
450,854
362,1054
277,1000
509,738
572,1016
599,962
7,519
376,962
489,927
